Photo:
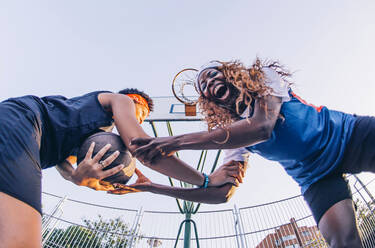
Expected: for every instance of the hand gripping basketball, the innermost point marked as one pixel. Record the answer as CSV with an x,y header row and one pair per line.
x,y
101,139
90,171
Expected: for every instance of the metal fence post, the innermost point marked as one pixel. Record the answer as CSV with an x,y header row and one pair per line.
x,y
47,221
135,228
240,237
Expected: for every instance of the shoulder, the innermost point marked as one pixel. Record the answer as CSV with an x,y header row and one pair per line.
x,y
109,99
279,87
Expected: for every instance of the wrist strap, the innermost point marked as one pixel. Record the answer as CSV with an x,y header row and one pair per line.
x,y
206,181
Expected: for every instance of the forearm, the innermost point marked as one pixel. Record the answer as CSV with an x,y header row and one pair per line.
x,y
232,137
173,167
241,133
210,195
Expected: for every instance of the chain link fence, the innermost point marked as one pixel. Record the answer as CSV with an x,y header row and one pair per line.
x,y
284,223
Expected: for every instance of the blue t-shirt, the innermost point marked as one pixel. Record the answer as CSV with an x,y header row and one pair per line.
x,y
309,142
64,123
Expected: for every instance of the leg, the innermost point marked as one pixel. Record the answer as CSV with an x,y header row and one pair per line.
x,y
20,224
338,225
20,177
332,207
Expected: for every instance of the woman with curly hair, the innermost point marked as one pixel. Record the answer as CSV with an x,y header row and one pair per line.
x,y
254,109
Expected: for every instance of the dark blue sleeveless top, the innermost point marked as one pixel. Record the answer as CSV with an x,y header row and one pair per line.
x,y
64,122
309,143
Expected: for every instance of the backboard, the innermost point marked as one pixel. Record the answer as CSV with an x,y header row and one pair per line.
x,y
168,108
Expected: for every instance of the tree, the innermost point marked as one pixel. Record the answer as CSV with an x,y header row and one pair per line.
x,y
366,221
99,233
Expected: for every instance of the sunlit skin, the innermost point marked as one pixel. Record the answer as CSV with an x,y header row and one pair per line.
x,y
97,184
142,183
93,183
141,112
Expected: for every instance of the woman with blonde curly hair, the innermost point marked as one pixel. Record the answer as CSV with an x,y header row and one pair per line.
x,y
254,109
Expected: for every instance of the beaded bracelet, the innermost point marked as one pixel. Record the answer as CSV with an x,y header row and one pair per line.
x,y
206,181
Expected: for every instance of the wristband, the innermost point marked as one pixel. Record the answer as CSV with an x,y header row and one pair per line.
x,y
206,181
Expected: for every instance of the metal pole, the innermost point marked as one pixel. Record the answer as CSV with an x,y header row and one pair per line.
x,y
195,230
187,232
54,211
241,241
364,187
134,229
236,223
188,207
363,198
57,208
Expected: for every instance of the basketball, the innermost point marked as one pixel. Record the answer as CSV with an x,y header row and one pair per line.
x,y
101,139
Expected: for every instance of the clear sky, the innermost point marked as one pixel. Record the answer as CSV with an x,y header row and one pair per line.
x,y
74,47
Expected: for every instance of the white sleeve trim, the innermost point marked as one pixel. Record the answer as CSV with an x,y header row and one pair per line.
x,y
238,154
279,87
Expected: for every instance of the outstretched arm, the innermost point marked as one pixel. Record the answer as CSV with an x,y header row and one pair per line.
x,y
242,133
210,195
124,115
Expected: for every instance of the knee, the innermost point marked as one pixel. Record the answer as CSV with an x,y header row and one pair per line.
x,y
345,242
16,238
20,224
20,242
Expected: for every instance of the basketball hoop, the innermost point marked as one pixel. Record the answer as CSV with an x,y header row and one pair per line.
x,y
183,88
